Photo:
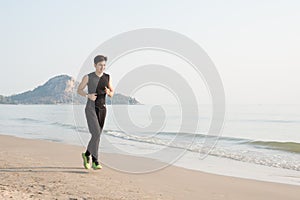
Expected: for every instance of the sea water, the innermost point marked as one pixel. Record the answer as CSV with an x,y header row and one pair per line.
x,y
257,141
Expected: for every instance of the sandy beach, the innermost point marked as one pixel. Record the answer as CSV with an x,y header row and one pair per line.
x,y
39,169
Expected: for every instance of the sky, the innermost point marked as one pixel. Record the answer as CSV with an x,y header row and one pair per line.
x,y
254,44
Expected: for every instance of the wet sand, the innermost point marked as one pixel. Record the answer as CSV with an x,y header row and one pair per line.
x,y
38,169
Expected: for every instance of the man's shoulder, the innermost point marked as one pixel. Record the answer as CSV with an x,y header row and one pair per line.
x,y
91,73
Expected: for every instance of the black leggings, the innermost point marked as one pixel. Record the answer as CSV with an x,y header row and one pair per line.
x,y
101,114
93,145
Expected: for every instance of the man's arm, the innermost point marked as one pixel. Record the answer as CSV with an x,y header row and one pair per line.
x,y
82,85
110,90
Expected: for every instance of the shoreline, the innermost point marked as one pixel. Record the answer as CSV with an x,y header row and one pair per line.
x,y
211,164
38,169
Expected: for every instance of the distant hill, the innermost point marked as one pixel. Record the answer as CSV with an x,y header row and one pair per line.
x,y
60,89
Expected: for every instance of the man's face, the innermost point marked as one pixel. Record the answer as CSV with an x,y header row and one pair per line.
x,y
100,66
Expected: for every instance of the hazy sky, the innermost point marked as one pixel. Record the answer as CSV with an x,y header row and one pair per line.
x,y
255,45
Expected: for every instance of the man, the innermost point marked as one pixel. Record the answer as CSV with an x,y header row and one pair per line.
x,y
99,85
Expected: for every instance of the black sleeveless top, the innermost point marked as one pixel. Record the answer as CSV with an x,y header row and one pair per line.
x,y
97,85
100,90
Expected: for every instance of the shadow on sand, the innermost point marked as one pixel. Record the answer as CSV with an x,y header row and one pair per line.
x,y
76,170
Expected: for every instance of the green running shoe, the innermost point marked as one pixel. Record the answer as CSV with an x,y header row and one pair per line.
x,y
86,161
96,165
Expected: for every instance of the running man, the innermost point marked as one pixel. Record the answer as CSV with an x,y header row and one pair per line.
x,y
99,85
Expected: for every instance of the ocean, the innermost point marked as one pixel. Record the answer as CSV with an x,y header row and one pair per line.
x,y
259,142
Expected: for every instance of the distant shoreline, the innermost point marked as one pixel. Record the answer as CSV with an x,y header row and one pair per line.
x,y
61,89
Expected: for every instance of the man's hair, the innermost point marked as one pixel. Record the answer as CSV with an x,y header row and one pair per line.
x,y
100,58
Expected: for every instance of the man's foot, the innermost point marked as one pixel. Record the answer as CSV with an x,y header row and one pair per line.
x,y
86,161
96,165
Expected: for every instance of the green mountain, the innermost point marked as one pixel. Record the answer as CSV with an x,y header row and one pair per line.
x,y
61,89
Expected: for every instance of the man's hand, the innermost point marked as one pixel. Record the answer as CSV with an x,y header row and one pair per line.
x,y
107,91
92,96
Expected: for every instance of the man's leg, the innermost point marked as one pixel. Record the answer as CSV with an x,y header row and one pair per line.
x,y
101,114
95,131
